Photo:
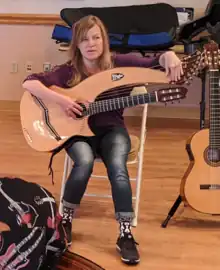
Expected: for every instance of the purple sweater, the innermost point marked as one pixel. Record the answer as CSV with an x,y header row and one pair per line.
x,y
61,74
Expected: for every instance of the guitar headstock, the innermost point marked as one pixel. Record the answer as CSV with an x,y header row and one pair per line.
x,y
171,94
191,64
212,55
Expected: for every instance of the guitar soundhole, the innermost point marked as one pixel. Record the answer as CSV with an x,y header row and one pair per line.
x,y
212,156
83,112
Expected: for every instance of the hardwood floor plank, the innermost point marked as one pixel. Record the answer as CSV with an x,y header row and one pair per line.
x,y
191,241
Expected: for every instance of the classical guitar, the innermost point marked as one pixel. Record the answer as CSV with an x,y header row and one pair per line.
x,y
46,127
200,186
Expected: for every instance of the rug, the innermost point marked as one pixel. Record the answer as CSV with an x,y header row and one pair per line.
x,y
74,261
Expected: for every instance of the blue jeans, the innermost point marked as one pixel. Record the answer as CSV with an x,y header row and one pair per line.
x,y
113,148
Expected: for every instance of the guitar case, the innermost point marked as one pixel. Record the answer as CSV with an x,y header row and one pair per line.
x,y
28,210
138,27
210,22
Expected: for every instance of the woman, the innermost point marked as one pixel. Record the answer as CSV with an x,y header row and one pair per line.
x,y
90,54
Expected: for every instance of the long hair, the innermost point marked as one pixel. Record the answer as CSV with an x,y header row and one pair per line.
x,y
80,28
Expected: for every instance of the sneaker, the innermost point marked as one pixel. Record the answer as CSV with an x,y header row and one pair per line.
x,y
126,245
68,231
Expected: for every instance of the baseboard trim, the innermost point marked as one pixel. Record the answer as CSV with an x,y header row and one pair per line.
x,y
31,19
9,105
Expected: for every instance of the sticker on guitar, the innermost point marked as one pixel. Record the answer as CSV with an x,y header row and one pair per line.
x,y
25,213
117,76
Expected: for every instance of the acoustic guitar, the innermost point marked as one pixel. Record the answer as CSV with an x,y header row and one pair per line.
x,y
46,127
200,186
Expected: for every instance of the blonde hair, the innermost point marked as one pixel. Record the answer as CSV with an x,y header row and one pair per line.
x,y
80,29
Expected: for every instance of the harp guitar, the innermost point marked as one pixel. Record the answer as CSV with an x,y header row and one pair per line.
x,y
46,127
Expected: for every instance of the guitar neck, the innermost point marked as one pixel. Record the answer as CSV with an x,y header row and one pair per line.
x,y
214,108
121,103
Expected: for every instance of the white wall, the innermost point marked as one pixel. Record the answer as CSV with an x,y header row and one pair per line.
x,y
54,6
24,43
33,43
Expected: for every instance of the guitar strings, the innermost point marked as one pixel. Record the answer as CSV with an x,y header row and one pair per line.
x,y
184,60
98,106
125,90
118,91
214,128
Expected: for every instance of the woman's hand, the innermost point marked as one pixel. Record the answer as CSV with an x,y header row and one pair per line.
x,y
70,107
172,65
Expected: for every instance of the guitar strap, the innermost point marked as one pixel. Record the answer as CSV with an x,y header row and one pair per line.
x,y
67,144
92,141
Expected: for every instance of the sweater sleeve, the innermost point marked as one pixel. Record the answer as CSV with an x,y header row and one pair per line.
x,y
59,76
131,60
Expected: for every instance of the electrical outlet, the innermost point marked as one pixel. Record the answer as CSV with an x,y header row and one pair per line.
x,y
46,66
28,67
14,67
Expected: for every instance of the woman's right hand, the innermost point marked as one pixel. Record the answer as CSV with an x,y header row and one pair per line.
x,y
70,107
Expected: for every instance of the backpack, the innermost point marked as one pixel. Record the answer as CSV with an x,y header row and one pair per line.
x,y
137,26
36,234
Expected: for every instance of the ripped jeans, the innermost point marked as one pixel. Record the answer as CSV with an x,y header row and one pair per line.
x,y
113,148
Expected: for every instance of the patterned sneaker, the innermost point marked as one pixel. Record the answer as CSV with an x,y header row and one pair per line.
x,y
126,245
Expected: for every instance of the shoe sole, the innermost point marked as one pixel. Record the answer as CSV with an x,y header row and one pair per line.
x,y
126,260
69,244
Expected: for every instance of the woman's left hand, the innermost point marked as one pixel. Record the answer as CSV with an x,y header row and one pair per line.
x,y
172,65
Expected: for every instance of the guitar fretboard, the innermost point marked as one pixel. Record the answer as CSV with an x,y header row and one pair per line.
x,y
120,103
214,109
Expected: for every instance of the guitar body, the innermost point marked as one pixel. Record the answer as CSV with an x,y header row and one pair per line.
x,y
46,127
200,186
40,135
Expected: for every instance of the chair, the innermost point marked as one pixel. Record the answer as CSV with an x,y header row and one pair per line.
x,y
135,157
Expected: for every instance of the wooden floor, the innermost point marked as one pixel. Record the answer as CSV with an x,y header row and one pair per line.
x,y
188,242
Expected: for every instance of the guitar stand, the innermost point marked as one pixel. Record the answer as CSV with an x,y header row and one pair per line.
x,y
202,125
214,32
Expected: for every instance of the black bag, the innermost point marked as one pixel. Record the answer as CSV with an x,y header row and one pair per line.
x,y
136,27
210,5
36,234
210,19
